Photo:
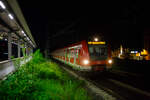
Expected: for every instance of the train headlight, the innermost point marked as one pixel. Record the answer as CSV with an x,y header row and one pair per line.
x,y
95,39
86,62
110,61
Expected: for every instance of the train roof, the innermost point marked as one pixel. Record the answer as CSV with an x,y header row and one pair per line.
x,y
82,42
71,45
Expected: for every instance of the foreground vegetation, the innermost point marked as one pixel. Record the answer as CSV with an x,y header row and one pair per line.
x,y
40,79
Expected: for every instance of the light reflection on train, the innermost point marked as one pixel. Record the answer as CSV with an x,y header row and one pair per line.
x,y
86,56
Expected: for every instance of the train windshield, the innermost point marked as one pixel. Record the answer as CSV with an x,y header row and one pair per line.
x,y
98,52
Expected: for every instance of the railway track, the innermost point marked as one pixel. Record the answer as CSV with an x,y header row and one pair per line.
x,y
136,80
121,90
111,86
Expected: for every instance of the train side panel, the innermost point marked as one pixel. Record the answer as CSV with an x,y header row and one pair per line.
x,y
74,55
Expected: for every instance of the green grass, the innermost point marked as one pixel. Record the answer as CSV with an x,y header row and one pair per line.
x,y
40,79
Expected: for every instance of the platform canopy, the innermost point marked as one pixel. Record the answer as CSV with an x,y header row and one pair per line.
x,y
12,21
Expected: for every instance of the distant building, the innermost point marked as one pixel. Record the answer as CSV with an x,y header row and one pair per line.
x,y
127,53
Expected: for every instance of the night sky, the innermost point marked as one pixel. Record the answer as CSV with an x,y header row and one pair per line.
x,y
68,22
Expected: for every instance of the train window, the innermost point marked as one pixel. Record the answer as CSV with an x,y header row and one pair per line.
x,y
97,52
103,51
91,50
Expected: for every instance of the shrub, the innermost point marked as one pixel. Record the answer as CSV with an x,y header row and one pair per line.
x,y
40,79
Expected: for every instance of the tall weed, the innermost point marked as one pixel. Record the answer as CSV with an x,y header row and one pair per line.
x,y
40,79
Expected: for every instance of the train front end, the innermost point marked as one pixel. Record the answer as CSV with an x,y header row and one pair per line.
x,y
100,56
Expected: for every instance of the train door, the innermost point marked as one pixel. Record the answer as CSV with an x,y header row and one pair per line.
x,y
76,55
65,55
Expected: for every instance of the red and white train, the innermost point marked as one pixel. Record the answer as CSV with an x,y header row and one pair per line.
x,y
85,56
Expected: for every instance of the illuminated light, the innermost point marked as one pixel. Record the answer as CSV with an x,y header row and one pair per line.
x,y
96,43
10,16
85,62
134,51
110,61
22,31
121,49
96,39
144,52
138,54
5,39
2,5
28,39
24,34
119,55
